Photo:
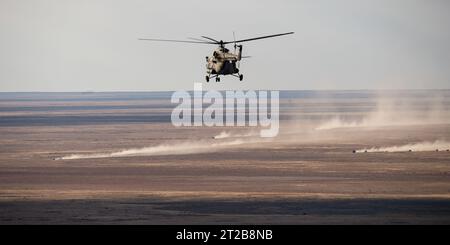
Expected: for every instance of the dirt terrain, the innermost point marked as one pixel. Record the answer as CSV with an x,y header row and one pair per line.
x,y
114,158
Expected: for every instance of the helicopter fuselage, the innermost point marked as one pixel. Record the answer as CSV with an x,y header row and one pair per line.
x,y
222,62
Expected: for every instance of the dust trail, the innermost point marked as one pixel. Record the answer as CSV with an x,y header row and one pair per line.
x,y
338,122
397,111
439,145
222,135
225,134
380,119
164,149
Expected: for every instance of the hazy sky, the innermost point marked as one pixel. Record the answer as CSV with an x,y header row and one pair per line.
x,y
91,45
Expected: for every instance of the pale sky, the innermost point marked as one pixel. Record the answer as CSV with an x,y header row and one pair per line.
x,y
92,45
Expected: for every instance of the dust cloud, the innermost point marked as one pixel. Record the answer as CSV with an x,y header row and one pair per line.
x,y
181,148
438,145
225,134
395,110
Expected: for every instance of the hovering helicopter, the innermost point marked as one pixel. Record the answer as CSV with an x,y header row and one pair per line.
x,y
222,61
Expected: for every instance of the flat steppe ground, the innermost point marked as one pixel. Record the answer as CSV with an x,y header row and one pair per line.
x,y
185,176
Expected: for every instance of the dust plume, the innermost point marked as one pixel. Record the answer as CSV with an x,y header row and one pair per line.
x,y
438,145
222,135
396,110
181,148
225,134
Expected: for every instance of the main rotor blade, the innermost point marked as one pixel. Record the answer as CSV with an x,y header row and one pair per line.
x,y
257,38
212,39
176,41
196,39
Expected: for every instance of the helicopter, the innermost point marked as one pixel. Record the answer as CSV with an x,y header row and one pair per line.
x,y
222,62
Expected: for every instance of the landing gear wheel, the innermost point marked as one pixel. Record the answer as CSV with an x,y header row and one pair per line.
x,y
207,79
241,77
217,79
